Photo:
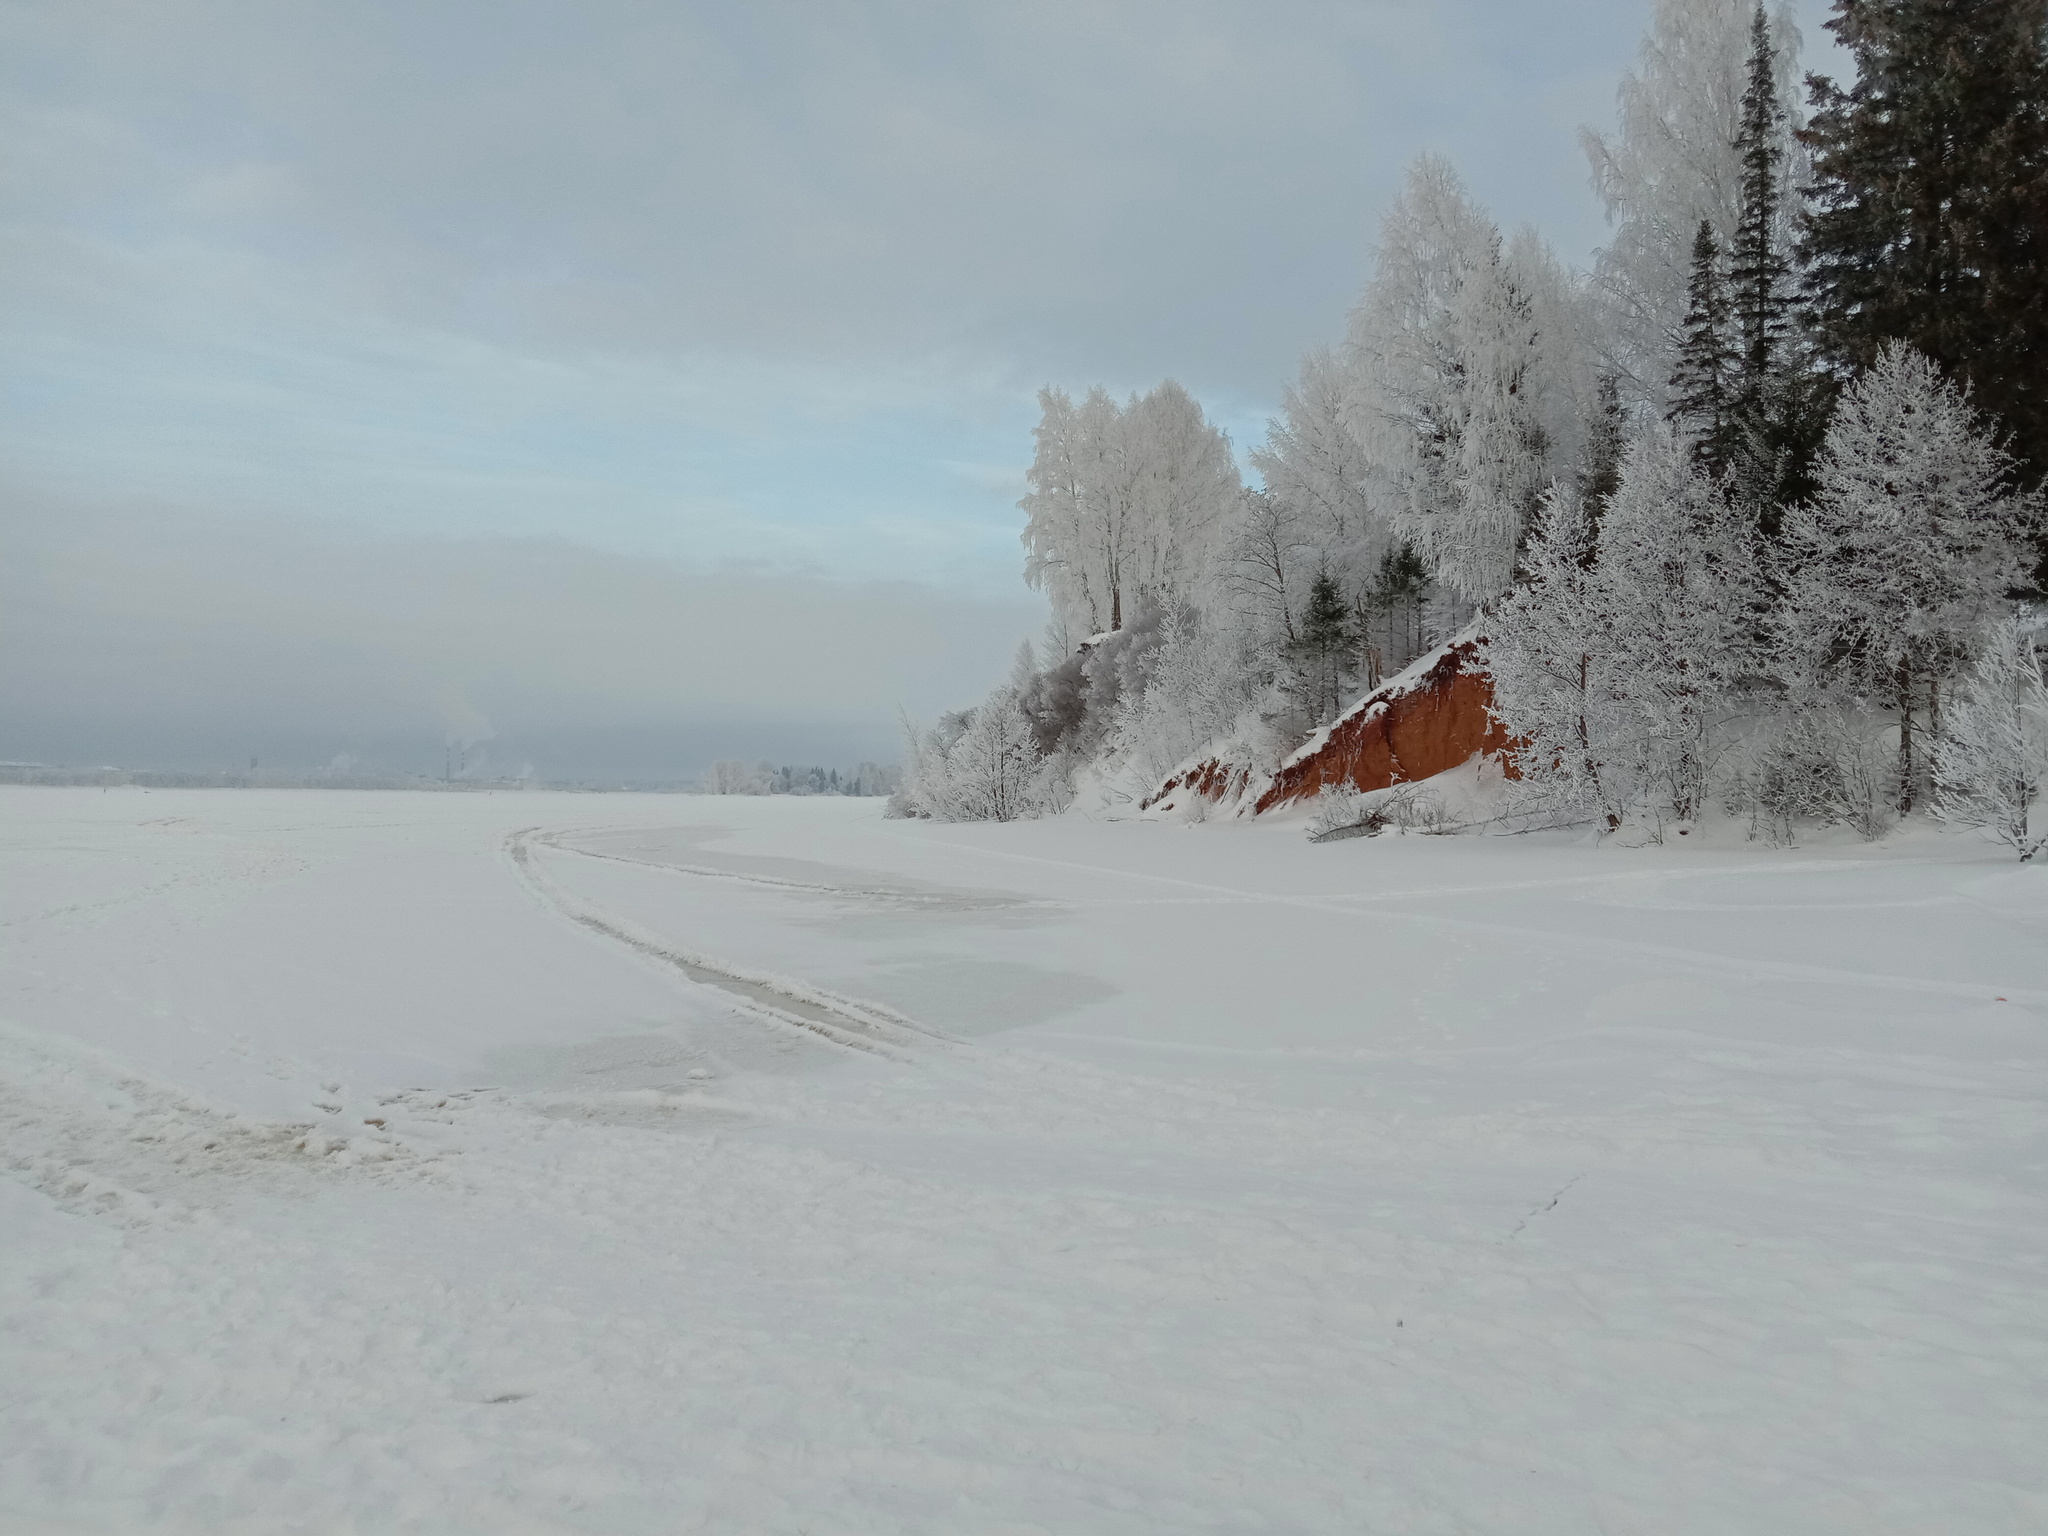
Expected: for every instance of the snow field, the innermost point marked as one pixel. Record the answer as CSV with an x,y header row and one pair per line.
x,y
1400,1184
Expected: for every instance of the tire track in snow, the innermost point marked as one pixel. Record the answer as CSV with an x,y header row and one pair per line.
x,y
785,1001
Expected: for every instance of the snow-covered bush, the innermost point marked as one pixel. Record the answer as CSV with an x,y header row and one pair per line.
x,y
1196,684
1073,705
982,764
1419,808
1345,811
1991,761
1815,762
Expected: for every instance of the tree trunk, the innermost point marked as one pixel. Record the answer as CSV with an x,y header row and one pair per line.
x,y
1905,739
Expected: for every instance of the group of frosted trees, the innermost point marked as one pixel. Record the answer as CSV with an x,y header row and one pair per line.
x,y
1743,512
1801,592
728,776
1664,650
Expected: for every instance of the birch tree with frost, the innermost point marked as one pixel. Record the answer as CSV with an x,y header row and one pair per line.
x,y
1551,655
1125,503
1468,381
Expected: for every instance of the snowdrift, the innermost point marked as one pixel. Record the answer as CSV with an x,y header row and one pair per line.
x,y
1431,718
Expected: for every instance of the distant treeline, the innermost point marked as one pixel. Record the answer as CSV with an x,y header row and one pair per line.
x,y
728,777
164,778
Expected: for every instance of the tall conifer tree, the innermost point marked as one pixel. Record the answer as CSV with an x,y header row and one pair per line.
x,y
1701,383
1929,213
1758,272
1776,407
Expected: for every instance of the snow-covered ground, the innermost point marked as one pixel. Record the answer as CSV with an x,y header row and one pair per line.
x,y
498,1163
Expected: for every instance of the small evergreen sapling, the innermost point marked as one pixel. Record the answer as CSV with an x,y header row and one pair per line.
x,y
1324,650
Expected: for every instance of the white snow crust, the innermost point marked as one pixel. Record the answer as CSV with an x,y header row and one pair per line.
x,y
545,1163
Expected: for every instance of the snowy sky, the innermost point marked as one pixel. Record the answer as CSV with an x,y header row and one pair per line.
x,y
370,369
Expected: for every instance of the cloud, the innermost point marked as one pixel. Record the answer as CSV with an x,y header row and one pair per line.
x,y
358,354
1124,189
221,630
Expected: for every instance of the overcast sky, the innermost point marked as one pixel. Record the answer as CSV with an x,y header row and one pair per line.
x,y
638,383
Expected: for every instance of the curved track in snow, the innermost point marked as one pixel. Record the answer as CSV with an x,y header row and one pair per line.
x,y
783,1001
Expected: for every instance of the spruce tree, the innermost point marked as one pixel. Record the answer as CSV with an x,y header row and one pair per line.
x,y
1701,382
1325,648
1395,600
1600,464
1928,221
1771,431
1760,301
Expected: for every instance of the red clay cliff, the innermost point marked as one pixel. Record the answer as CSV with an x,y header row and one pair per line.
x,y
1413,727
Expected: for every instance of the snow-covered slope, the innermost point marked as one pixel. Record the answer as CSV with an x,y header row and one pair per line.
x,y
451,1163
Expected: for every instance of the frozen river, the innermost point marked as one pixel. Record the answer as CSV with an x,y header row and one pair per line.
x,y
503,1163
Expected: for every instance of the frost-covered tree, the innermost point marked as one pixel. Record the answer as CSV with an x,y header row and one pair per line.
x,y
875,779
1124,502
1552,656
1318,513
1404,351
1678,571
1672,164
981,764
1624,671
1082,517
1470,381
1266,552
1473,536
1200,682
1991,760
1915,537
1187,486
1321,516
1313,464
728,776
